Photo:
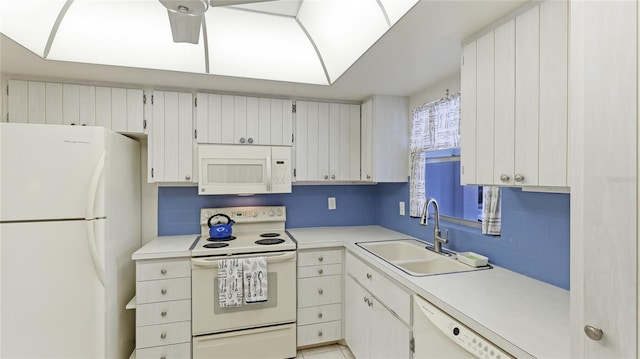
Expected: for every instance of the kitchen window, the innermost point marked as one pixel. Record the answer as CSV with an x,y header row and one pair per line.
x,y
455,201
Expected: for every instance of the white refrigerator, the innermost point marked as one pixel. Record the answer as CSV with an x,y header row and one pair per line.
x,y
69,222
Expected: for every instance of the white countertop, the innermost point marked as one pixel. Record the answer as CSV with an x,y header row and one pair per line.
x,y
166,247
524,316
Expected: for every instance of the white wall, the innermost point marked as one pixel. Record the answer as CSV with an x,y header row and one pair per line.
x,y
435,92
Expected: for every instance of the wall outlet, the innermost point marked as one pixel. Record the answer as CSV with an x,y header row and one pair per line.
x,y
401,208
332,203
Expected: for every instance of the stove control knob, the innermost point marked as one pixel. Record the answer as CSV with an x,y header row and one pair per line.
x,y
254,214
270,213
279,212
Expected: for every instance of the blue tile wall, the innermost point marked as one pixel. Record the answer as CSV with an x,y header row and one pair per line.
x,y
179,207
535,232
535,226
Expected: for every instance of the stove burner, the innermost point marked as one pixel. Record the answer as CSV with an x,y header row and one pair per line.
x,y
221,239
270,235
269,241
216,245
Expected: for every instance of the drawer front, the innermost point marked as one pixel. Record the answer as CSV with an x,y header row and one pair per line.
x,y
163,334
163,290
390,294
163,312
175,351
319,333
319,314
319,271
162,269
319,291
313,258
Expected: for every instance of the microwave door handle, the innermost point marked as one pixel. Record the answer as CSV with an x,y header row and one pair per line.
x,y
268,173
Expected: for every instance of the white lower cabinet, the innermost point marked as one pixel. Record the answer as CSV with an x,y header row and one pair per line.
x,y
319,296
163,309
372,329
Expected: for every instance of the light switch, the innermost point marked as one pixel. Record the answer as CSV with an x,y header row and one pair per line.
x,y
332,203
401,208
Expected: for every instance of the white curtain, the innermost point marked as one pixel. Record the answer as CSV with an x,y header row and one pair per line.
x,y
436,126
419,140
491,218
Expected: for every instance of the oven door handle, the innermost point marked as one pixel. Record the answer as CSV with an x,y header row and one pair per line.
x,y
213,262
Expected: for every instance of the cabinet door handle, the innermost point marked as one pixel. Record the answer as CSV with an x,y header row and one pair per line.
x,y
518,178
320,271
242,140
319,315
369,276
163,335
250,140
505,178
164,314
320,333
163,271
163,291
368,177
593,333
320,291
326,177
320,259
365,300
187,177
333,177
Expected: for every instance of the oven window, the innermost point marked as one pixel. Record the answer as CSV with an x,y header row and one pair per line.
x,y
272,298
235,173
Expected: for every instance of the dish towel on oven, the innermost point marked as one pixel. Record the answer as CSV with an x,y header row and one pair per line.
x,y
255,279
229,283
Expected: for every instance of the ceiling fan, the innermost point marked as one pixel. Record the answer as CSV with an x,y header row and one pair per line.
x,y
186,16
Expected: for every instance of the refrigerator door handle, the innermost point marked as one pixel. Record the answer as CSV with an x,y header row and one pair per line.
x,y
91,235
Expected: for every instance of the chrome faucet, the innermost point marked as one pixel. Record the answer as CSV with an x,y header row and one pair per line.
x,y
437,239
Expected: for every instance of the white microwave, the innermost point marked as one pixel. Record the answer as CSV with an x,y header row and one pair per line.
x,y
243,169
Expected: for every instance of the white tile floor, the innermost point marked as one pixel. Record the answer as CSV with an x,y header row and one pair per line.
x,y
333,351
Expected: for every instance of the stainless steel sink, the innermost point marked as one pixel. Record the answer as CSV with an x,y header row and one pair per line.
x,y
415,258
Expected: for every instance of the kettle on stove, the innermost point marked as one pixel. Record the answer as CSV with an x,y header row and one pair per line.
x,y
220,230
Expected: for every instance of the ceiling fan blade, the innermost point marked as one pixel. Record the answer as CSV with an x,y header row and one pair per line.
x,y
185,18
215,3
185,28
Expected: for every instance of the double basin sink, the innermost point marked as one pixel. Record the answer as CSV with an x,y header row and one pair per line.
x,y
417,258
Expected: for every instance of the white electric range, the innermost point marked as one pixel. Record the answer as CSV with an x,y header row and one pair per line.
x,y
256,230
251,330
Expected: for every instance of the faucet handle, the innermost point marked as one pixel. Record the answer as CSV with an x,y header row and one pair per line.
x,y
446,236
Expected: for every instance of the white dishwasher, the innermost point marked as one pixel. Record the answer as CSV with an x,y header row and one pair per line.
x,y
437,335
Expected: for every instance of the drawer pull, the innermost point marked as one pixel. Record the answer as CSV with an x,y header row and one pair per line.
x,y
319,315
320,333
320,271
369,276
320,259
320,291
163,291
164,314
365,300
163,271
163,335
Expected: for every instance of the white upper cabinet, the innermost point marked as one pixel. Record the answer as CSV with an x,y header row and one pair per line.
x,y
385,139
117,109
327,141
243,120
171,137
514,101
